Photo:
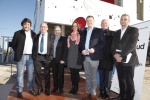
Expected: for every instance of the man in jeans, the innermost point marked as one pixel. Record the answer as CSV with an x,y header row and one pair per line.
x,y
22,43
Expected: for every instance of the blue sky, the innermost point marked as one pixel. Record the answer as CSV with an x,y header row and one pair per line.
x,y
12,12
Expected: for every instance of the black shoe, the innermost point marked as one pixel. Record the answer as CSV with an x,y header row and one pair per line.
x,y
47,91
19,95
32,92
75,91
106,96
102,95
61,91
39,92
54,90
71,91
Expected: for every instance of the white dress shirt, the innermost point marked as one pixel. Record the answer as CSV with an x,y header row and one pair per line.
x,y
28,43
122,32
45,43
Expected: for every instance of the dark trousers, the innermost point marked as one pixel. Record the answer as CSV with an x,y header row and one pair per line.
x,y
104,77
75,77
126,82
39,62
58,74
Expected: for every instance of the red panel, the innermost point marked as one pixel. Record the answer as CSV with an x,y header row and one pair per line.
x,y
109,1
81,21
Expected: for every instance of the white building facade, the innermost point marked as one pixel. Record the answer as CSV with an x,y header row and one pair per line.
x,y
64,12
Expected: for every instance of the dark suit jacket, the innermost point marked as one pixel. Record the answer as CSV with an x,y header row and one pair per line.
x,y
127,44
61,50
107,62
35,47
18,43
97,41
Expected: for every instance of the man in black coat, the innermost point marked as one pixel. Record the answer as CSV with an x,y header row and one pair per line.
x,y
41,56
22,44
106,64
123,46
59,59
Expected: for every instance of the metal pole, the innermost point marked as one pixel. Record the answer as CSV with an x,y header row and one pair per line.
x,y
3,50
8,49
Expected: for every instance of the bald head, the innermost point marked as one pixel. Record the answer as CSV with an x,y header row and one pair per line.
x,y
104,24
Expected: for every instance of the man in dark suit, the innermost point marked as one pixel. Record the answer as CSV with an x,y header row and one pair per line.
x,y
41,56
106,64
22,44
59,59
91,43
124,45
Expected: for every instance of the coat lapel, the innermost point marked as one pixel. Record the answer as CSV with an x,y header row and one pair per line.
x,y
84,35
92,32
37,37
91,36
23,32
125,34
32,34
60,39
48,43
118,35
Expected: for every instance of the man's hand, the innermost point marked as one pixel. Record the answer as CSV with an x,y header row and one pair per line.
x,y
84,52
62,62
91,50
118,57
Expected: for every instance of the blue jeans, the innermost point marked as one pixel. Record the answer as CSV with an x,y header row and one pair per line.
x,y
26,60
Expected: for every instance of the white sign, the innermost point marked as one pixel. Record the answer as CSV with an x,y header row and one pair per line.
x,y
142,45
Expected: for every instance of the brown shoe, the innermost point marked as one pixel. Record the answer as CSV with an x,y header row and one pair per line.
x,y
86,96
93,97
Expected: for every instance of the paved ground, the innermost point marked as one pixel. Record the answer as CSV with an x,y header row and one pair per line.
x,y
7,81
146,85
6,72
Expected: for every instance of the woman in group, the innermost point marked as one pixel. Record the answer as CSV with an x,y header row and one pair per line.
x,y
74,56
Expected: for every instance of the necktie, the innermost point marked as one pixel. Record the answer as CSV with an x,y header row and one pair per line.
x,y
42,44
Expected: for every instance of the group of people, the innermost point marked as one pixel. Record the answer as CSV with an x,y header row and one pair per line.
x,y
93,48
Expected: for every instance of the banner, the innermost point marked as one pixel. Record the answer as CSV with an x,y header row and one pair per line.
x,y
142,45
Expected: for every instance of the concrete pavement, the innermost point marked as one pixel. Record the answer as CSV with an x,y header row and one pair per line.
x,y
7,81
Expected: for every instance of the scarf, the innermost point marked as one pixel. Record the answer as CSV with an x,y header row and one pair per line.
x,y
73,38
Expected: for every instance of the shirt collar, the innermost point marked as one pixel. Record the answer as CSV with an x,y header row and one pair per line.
x,y
89,29
45,34
57,37
123,29
27,32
